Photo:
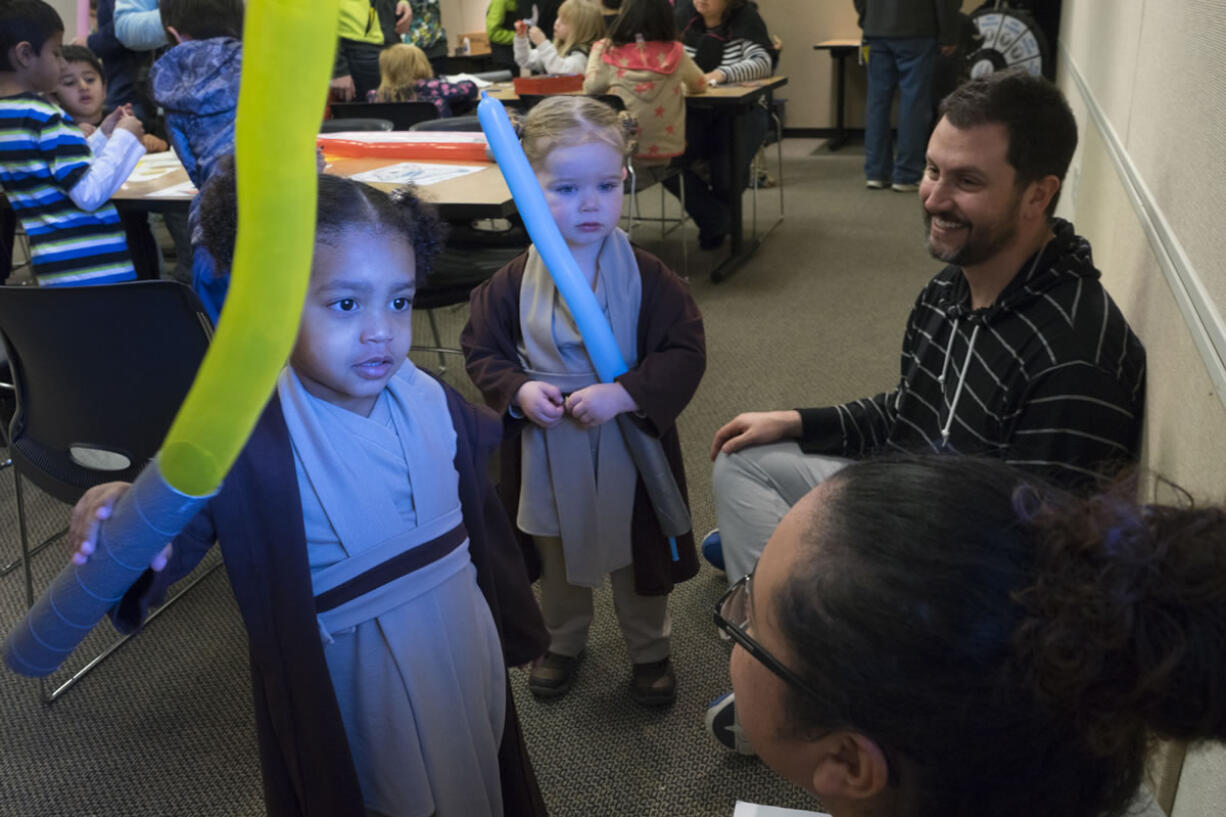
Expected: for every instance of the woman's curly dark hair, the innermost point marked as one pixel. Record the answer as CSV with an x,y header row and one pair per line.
x,y
1011,647
344,205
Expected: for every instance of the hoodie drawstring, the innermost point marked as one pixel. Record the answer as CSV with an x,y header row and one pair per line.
x,y
949,348
966,364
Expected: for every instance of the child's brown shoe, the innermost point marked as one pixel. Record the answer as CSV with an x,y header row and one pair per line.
x,y
553,677
654,683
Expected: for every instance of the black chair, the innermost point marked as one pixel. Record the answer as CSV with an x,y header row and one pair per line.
x,y
468,124
454,274
342,125
402,115
99,373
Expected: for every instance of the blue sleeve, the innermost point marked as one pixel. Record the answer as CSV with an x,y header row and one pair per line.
x,y
138,24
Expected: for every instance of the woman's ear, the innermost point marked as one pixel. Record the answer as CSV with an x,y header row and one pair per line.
x,y
850,766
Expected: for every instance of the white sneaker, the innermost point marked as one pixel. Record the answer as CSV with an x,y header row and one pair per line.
x,y
874,184
909,187
723,725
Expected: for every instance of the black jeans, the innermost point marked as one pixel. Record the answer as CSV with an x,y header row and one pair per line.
x,y
363,61
706,136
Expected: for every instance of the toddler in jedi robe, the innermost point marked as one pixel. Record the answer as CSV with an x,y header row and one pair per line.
x,y
525,354
373,567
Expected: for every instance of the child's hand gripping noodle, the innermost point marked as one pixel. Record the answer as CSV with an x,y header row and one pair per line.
x,y
598,338
203,442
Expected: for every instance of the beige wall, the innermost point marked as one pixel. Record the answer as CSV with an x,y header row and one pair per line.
x,y
811,91
1155,71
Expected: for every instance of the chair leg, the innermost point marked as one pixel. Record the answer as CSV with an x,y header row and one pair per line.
x,y
49,698
438,341
26,551
25,542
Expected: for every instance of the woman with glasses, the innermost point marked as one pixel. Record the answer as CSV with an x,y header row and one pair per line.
x,y
947,638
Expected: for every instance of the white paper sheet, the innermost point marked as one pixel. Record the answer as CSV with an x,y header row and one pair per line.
x,y
744,809
416,173
180,189
454,78
155,165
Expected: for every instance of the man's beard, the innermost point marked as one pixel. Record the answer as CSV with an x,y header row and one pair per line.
x,y
982,242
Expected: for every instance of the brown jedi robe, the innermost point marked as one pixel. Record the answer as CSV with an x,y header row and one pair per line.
x,y
672,358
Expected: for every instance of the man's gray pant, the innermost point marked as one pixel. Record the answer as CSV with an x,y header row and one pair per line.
x,y
754,488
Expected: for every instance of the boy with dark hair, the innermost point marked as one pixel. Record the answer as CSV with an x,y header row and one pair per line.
x,y
82,93
196,83
57,186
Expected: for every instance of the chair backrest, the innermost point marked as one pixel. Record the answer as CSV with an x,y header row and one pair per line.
x,y
402,115
451,123
100,372
342,125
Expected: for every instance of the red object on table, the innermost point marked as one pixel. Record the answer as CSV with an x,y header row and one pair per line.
x,y
437,151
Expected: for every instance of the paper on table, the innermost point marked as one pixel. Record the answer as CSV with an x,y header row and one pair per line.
x,y
154,165
480,83
744,809
418,174
181,189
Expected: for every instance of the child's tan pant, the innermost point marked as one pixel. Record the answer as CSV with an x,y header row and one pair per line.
x,y
568,609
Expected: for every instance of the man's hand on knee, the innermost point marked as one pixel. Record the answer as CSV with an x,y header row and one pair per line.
x,y
756,428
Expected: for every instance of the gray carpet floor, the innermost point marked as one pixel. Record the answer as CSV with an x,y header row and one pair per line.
x,y
165,726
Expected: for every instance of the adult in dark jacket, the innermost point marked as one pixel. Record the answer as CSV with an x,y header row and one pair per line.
x,y
257,520
903,37
1013,351
123,68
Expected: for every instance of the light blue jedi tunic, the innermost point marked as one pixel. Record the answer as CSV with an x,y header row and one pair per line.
x,y
416,663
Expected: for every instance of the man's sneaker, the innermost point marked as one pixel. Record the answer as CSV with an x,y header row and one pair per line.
x,y
722,723
904,187
874,184
713,549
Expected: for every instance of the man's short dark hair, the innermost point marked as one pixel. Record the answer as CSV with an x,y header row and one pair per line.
x,y
203,19
79,53
1041,127
26,21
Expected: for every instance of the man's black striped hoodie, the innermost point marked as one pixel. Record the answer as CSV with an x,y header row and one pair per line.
x,y
1050,377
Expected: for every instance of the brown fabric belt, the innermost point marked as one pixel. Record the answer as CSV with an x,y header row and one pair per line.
x,y
395,567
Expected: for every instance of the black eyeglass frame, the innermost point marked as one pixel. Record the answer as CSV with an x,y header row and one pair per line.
x,y
737,634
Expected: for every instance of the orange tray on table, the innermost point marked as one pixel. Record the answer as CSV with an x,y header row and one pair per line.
x,y
437,146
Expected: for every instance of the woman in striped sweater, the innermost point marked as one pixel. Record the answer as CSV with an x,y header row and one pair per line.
x,y
729,42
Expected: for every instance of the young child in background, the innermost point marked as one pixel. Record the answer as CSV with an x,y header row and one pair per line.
x,y
372,564
405,76
196,83
82,92
576,27
525,354
642,62
58,187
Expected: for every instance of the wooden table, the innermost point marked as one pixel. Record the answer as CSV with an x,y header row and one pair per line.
x,y
840,50
483,194
735,99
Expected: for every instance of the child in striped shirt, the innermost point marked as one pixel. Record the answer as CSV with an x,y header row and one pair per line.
x,y
58,188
